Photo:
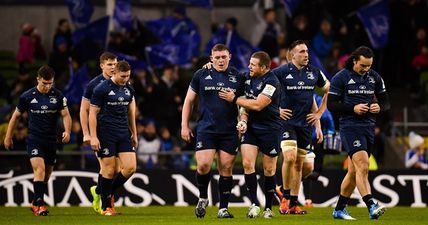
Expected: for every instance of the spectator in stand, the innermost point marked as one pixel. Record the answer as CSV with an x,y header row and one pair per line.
x,y
39,50
420,61
63,31
416,157
322,43
150,144
299,30
25,53
59,61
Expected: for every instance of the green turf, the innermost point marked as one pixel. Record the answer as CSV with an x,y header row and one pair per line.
x,y
184,215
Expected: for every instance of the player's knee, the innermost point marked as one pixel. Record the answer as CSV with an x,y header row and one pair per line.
x,y
204,167
248,165
225,170
269,170
127,171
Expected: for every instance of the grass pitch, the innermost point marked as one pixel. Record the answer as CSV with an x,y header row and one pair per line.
x,y
170,215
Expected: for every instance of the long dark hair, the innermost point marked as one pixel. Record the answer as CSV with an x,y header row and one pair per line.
x,y
355,56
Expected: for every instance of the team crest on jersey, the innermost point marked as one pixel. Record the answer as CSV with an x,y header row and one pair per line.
x,y
371,80
106,151
232,79
286,135
310,76
120,99
259,87
357,143
127,92
35,151
53,100
199,144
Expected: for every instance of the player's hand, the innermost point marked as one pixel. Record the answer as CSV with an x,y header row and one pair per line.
x,y
208,65
242,126
227,95
8,143
320,136
134,140
65,137
285,114
186,134
87,139
312,118
374,108
360,109
95,144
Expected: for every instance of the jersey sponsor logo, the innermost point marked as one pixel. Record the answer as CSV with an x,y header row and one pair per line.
x,y
106,151
34,101
53,100
310,76
362,87
221,84
357,143
301,83
269,90
44,107
120,99
351,81
232,79
111,93
208,77
273,151
289,76
35,151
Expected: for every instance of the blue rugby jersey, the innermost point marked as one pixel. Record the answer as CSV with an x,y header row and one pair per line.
x,y
297,90
113,101
89,90
268,118
354,89
44,111
217,115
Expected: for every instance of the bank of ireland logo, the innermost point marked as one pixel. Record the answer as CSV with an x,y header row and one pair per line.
x,y
120,99
34,152
199,144
301,83
44,107
357,143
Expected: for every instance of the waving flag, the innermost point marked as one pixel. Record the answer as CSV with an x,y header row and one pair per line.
x,y
122,15
95,32
315,61
132,60
375,18
290,6
80,11
76,85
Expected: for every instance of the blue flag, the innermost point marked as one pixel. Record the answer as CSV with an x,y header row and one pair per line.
x,y
315,61
122,15
290,6
132,60
80,11
76,85
375,18
95,32
199,3
180,37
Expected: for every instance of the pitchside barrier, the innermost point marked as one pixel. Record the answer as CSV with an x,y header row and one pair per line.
x,y
165,187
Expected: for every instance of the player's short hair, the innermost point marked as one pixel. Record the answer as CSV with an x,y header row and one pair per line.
x,y
123,66
355,56
46,72
219,48
264,58
107,56
297,42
